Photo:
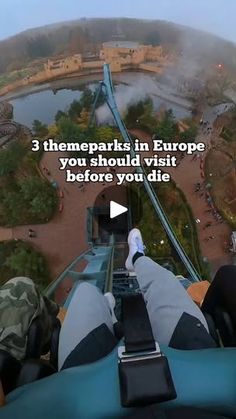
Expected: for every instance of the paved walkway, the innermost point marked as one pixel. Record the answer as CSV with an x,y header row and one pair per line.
x,y
5,234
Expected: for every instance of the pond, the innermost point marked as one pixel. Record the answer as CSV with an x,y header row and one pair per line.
x,y
44,105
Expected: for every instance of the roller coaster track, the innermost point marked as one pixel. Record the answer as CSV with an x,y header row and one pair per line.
x,y
107,87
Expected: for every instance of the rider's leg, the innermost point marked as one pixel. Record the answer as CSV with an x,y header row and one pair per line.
x,y
168,303
87,311
166,298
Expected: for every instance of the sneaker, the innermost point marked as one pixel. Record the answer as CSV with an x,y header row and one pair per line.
x,y
112,303
135,243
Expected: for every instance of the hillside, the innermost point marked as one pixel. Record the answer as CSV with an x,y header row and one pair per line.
x,y
86,36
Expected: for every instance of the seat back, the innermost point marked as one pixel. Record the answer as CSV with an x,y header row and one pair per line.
x,y
9,371
14,373
212,327
220,324
33,370
55,343
34,340
225,327
35,347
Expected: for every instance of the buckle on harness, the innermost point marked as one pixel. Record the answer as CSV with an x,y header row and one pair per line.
x,y
144,372
145,377
124,356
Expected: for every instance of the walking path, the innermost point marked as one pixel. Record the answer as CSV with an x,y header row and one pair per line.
x,y
5,234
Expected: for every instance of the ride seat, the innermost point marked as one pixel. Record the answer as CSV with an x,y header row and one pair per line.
x,y
35,346
14,373
54,344
212,327
34,340
33,370
9,371
225,326
221,321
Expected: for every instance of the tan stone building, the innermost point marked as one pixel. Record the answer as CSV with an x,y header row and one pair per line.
x,y
121,55
126,55
64,65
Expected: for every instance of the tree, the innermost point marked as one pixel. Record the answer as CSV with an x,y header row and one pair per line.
x,y
7,163
25,261
228,165
39,196
75,109
153,38
30,187
148,120
135,112
52,131
83,120
105,133
40,46
40,207
87,99
69,131
59,115
13,205
167,128
90,133
78,40
39,129
141,115
10,158
101,100
189,135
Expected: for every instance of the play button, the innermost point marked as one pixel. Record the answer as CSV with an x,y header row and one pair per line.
x,y
116,209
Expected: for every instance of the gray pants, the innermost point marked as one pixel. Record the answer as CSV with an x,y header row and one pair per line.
x,y
165,297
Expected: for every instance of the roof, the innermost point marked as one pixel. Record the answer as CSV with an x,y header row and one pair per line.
x,y
121,44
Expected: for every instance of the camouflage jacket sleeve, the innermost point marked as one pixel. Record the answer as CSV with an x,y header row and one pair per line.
x,y
20,303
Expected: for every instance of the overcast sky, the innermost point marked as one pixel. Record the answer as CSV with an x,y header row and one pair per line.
x,y
216,16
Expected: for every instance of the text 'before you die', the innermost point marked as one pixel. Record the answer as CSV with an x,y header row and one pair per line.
x,y
120,178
